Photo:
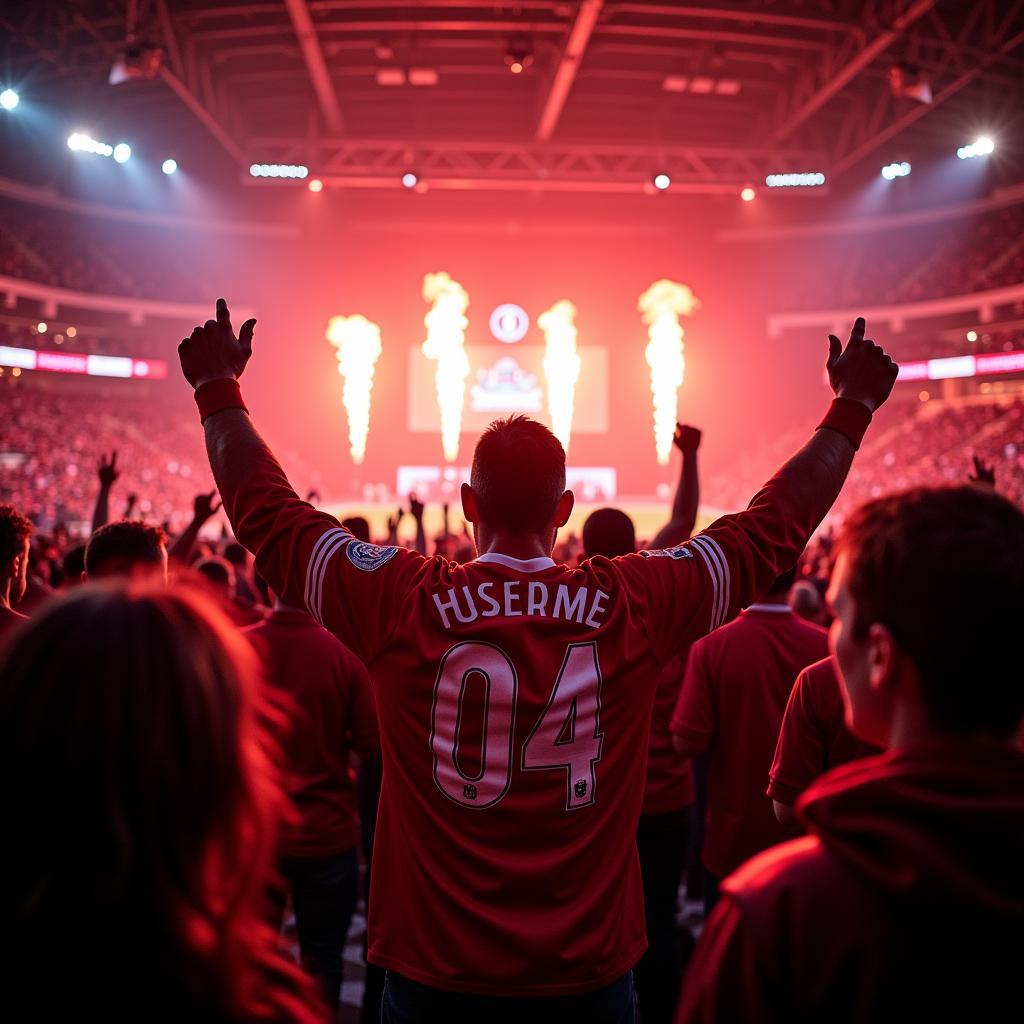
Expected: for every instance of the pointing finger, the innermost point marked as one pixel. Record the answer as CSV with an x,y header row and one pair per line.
x,y
223,315
857,333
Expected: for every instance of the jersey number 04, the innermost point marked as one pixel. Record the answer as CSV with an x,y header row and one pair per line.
x,y
566,737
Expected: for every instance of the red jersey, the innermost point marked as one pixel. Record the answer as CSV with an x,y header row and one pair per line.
x,y
330,710
514,701
813,737
670,784
737,683
851,924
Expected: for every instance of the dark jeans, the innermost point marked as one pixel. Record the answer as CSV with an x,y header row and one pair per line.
x,y
711,884
662,842
406,1002
323,891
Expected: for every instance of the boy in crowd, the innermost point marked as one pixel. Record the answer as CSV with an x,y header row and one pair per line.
x,y
906,899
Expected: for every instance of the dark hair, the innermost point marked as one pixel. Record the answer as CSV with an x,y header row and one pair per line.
x,y
609,532
358,527
133,752
783,583
518,475
236,554
943,570
218,571
115,548
15,529
73,565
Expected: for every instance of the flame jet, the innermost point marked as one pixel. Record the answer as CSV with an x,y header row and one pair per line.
x,y
661,306
356,341
561,366
446,335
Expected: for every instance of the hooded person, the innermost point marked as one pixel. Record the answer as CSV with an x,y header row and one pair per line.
x,y
906,898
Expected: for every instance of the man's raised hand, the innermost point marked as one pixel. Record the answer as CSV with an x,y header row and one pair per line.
x,y
212,352
862,371
686,439
107,470
204,506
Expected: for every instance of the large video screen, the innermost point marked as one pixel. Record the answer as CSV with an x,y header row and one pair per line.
x,y
506,379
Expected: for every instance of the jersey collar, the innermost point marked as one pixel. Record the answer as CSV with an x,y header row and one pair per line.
x,y
522,564
783,608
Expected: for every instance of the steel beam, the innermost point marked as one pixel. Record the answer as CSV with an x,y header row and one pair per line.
x,y
313,55
568,65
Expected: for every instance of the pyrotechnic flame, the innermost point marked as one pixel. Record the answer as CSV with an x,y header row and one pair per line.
x,y
446,334
357,345
661,306
561,366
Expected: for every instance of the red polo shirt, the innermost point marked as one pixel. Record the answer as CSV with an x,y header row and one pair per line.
x,y
814,736
669,785
737,682
331,712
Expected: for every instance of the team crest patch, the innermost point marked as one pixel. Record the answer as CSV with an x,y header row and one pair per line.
x,y
368,557
679,552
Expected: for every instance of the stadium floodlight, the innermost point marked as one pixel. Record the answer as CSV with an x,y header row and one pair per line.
x,y
900,170
82,142
981,146
169,166
315,185
122,152
661,181
9,99
747,194
410,179
799,179
278,170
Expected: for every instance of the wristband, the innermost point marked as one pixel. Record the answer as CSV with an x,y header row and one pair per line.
x,y
217,395
849,417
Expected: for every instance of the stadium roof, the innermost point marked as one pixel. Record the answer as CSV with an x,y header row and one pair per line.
x,y
716,94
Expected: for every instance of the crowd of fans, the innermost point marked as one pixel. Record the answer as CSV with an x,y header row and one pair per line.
x,y
182,874
85,253
53,440
83,340
912,264
913,443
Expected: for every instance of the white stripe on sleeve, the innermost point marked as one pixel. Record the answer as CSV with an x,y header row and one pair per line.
x,y
714,575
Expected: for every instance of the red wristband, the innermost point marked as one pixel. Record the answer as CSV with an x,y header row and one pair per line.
x,y
849,417
217,395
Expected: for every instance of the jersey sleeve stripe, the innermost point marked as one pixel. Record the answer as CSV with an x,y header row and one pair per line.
x,y
714,574
313,563
341,538
726,581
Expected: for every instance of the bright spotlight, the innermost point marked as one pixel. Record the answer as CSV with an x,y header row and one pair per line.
x,y
891,171
81,142
800,179
9,99
979,147
662,181
278,170
41,327
972,336
747,194
410,180
122,152
315,185
169,166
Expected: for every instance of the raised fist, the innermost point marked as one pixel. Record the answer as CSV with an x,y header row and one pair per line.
x,y
212,352
415,507
862,371
686,439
